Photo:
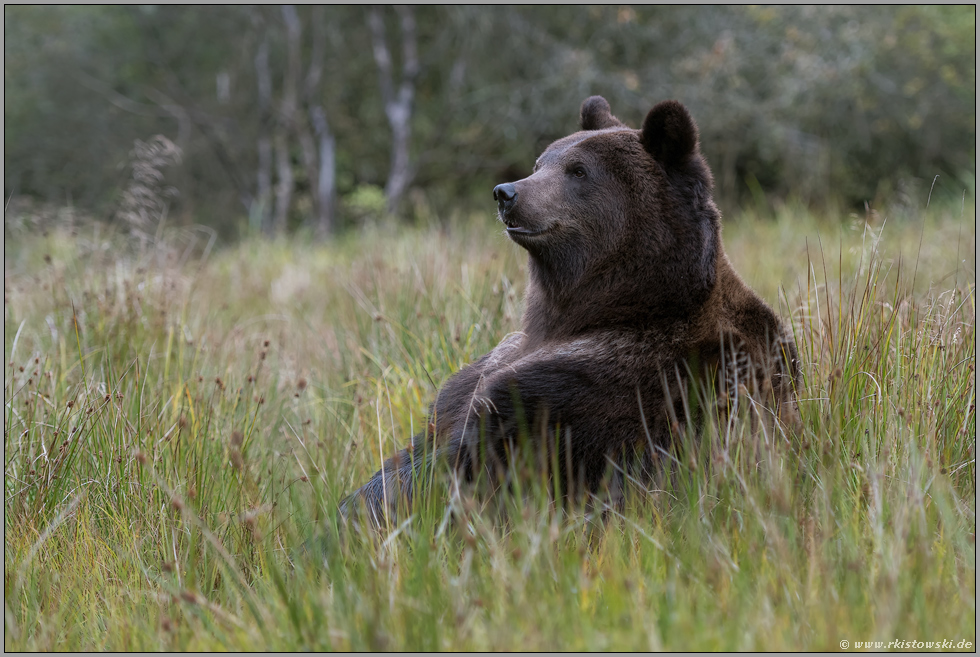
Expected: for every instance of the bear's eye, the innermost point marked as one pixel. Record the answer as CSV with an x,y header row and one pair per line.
x,y
578,171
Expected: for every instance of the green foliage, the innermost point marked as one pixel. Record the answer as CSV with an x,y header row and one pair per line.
x,y
365,203
180,425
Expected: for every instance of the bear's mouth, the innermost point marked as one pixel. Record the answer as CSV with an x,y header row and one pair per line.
x,y
521,231
516,231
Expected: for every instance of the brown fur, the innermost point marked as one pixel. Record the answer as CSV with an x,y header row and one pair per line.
x,y
629,294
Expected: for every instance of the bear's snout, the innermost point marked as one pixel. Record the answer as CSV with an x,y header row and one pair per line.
x,y
505,195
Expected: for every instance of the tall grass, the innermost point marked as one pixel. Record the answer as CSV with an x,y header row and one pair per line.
x,y
179,428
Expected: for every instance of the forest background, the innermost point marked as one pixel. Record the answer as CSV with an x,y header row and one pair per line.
x,y
285,117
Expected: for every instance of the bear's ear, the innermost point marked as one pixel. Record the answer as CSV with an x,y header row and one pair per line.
x,y
596,114
669,133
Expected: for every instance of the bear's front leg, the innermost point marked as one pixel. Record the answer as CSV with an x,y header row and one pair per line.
x,y
380,496
393,488
566,416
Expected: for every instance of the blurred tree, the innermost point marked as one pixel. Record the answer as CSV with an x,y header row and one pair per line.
x,y
398,103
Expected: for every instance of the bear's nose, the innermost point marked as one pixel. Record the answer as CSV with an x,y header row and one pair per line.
x,y
505,195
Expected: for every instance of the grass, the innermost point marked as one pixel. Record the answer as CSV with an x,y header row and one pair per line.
x,y
180,426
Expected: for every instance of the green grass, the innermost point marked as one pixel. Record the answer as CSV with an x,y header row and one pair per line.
x,y
179,428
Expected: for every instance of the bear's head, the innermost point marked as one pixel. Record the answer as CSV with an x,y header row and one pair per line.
x,y
619,223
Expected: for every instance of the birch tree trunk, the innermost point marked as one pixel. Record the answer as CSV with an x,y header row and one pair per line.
x,y
321,173
287,118
328,169
398,104
297,122
284,188
263,199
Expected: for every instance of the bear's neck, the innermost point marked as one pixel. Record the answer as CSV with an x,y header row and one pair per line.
x,y
631,288
617,297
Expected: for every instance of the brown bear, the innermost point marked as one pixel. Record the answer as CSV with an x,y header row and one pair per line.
x,y
630,299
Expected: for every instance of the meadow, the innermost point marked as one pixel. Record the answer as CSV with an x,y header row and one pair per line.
x,y
181,421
